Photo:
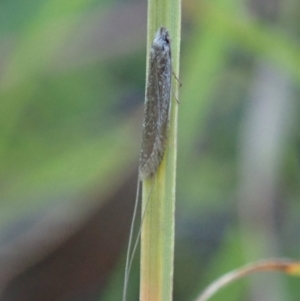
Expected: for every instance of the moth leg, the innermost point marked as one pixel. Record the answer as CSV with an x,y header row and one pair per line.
x,y
180,84
178,102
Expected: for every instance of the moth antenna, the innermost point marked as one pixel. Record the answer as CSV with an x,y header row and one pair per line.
x,y
127,269
129,258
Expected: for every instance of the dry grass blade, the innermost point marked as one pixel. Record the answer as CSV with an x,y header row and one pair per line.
x,y
277,265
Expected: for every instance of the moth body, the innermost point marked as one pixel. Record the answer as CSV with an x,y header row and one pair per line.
x,y
157,104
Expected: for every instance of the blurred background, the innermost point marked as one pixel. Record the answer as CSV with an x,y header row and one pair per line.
x,y
72,82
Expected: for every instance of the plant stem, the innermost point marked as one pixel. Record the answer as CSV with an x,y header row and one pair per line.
x,y
157,238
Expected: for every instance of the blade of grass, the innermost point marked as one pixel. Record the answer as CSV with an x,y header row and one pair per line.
x,y
272,265
157,238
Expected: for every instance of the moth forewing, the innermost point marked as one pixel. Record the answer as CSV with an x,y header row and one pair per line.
x,y
157,104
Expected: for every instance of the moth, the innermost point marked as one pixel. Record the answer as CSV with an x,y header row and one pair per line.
x,y
156,121
157,104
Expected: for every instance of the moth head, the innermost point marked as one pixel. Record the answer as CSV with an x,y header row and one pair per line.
x,y
162,38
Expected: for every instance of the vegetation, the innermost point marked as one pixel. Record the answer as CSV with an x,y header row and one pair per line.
x,y
72,89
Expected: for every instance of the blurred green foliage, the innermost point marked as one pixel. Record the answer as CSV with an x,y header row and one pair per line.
x,y
68,120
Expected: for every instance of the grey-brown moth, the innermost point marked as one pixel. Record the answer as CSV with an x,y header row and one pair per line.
x,y
157,104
